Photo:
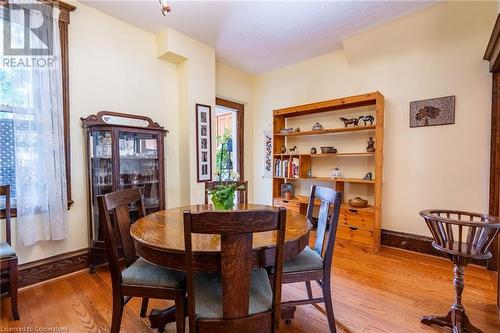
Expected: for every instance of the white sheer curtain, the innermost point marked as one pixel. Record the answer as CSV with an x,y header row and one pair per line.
x,y
37,113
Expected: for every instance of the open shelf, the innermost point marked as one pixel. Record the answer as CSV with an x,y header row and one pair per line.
x,y
329,131
327,155
304,199
358,226
340,180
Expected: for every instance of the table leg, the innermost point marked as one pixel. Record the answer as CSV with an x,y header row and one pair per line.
x,y
159,318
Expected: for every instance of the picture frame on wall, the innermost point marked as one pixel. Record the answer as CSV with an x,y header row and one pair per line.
x,y
204,142
432,112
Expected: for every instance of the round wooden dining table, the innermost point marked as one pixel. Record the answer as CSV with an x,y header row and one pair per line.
x,y
159,238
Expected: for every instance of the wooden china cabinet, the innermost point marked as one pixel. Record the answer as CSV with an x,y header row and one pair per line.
x,y
123,151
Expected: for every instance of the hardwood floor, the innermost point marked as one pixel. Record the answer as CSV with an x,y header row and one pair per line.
x,y
387,292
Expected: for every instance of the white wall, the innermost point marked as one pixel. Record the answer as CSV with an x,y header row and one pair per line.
x,y
113,66
432,53
196,82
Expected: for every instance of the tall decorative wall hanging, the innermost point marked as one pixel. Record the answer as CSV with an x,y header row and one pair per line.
x,y
204,142
268,154
432,112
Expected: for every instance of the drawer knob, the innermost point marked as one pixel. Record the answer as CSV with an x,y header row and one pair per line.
x,y
353,211
353,228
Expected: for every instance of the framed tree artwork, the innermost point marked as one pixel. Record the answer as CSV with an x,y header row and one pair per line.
x,y
432,112
204,142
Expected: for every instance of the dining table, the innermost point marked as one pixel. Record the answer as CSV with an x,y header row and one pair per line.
x,y
159,238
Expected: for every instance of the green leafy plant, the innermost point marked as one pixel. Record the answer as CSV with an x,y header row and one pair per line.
x,y
223,157
223,194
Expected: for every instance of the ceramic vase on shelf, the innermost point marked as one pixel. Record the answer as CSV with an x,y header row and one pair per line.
x,y
336,173
371,145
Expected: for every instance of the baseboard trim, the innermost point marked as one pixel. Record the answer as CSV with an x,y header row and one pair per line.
x,y
415,243
410,242
52,267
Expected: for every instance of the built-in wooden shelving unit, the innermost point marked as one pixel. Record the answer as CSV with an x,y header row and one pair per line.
x,y
358,226
329,131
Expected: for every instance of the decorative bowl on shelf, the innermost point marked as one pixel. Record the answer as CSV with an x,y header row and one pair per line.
x,y
328,150
317,127
358,202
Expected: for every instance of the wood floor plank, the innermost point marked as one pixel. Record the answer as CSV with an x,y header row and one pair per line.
x,y
383,293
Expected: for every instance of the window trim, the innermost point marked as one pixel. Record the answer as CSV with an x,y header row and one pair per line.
x,y
64,19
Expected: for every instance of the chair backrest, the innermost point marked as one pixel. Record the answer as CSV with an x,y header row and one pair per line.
x,y
242,193
236,230
329,210
116,205
5,191
462,233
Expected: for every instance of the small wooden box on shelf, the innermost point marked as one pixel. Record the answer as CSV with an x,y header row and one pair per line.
x,y
357,226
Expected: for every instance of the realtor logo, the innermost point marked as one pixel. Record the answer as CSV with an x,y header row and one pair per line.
x,y
35,36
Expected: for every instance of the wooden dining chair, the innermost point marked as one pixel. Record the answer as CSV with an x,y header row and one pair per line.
x,y
315,264
242,193
237,298
140,278
8,257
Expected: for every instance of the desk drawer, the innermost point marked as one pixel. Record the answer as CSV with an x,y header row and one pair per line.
x,y
360,219
355,235
291,205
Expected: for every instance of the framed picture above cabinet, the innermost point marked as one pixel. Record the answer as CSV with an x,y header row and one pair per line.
x,y
123,151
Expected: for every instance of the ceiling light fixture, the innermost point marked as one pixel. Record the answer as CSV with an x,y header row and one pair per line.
x,y
165,8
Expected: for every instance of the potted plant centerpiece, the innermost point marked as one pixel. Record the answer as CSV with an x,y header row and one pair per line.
x,y
223,195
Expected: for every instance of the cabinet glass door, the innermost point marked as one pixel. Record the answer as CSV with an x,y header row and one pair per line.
x,y
139,166
101,168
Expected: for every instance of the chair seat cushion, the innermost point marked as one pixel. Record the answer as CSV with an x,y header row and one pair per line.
x,y
208,294
306,260
6,250
143,273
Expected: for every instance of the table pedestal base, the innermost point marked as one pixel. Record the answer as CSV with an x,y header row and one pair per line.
x,y
159,318
455,319
288,313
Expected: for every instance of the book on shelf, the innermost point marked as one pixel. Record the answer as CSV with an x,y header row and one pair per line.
x,y
286,168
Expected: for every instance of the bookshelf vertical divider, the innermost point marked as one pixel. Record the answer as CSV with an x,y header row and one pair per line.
x,y
357,226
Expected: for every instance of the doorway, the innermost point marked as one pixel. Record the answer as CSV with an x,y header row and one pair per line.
x,y
229,139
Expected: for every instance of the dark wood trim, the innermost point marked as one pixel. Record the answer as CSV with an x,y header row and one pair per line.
x,y
492,55
64,7
415,243
493,49
63,35
96,120
52,267
410,242
494,196
240,123
198,145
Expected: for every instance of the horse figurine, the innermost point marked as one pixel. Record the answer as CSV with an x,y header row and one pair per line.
x,y
292,150
366,119
348,121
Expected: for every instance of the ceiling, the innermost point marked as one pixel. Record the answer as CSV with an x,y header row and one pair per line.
x,y
260,36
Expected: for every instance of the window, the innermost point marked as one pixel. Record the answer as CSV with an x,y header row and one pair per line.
x,y
17,100
229,138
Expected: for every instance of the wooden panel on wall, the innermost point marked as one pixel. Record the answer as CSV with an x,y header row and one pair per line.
x,y
52,267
